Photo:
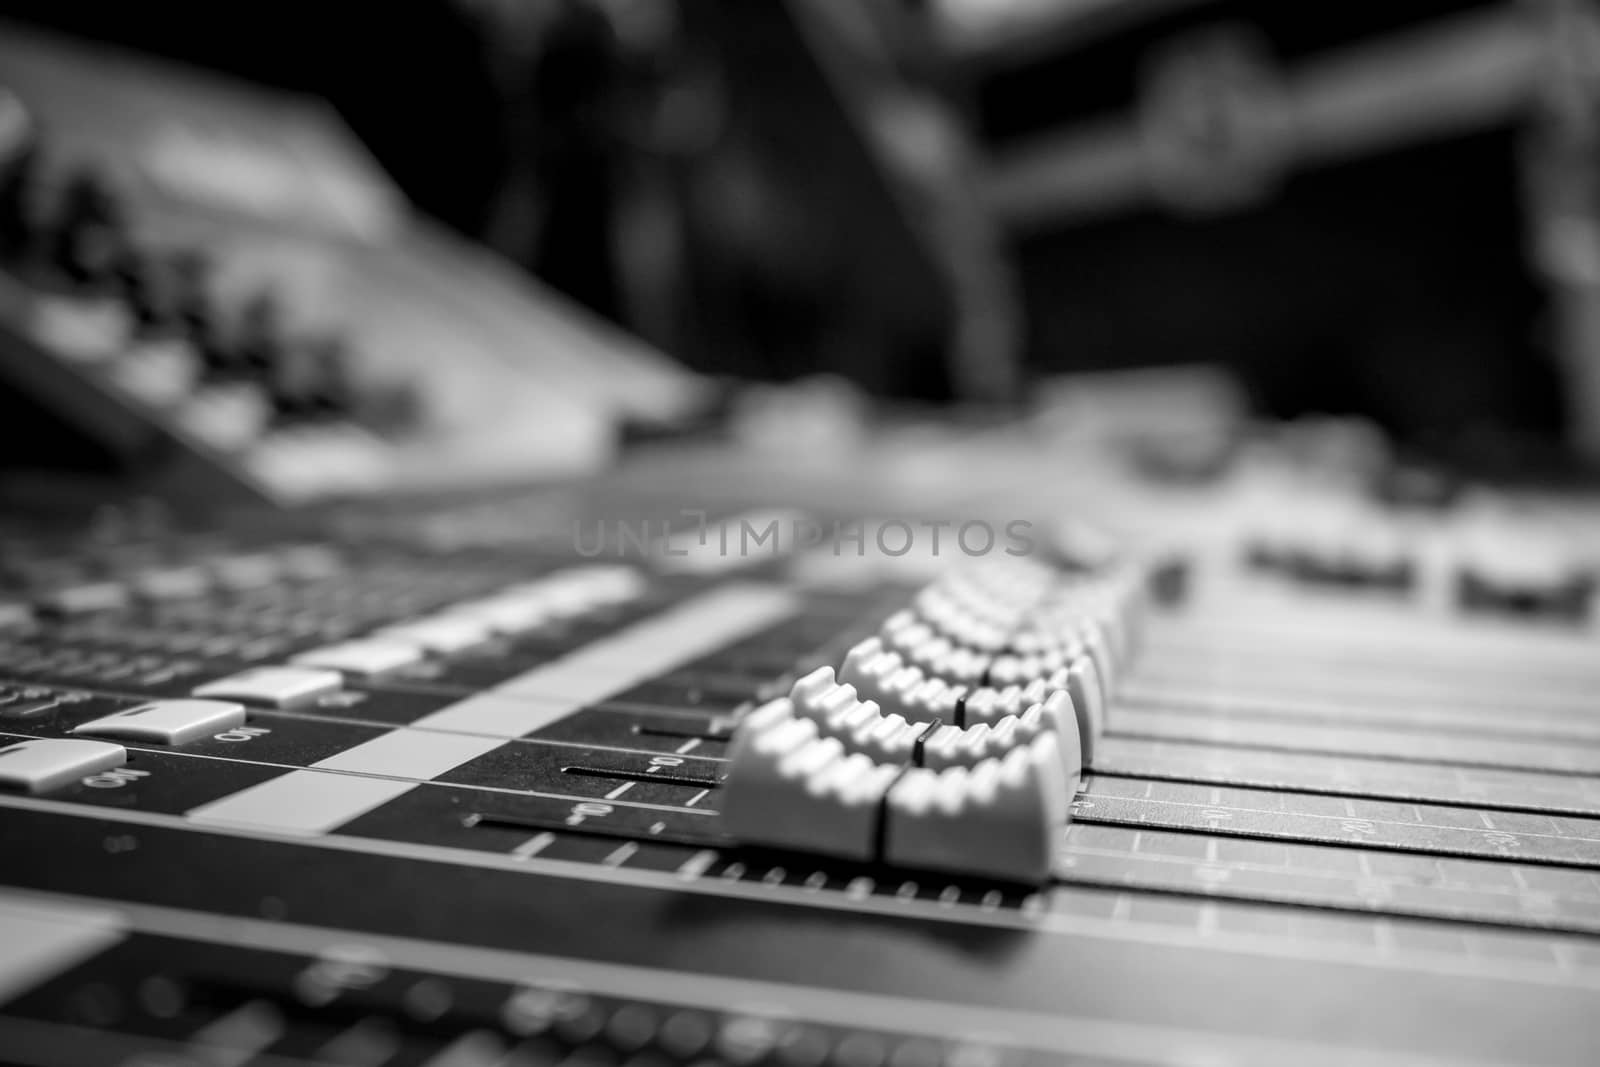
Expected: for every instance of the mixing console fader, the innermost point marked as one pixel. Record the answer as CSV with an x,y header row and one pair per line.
x,y
345,790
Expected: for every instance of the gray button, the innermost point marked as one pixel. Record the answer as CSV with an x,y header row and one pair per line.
x,y
84,598
363,658
13,614
42,765
277,687
167,722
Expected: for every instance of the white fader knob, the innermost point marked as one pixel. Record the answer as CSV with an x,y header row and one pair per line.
x,y
789,788
1000,819
987,800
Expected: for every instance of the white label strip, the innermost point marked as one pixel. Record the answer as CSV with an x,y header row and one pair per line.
x,y
301,802
312,801
612,665
498,717
410,754
38,942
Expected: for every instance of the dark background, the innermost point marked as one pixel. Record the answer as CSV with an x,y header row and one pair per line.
x,y
1395,286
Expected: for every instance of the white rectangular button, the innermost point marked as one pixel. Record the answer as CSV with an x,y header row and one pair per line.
x,y
599,583
278,687
39,766
85,597
506,614
246,572
441,634
167,722
309,563
14,614
171,583
362,658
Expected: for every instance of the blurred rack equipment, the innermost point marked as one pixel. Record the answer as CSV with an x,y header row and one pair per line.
x,y
210,291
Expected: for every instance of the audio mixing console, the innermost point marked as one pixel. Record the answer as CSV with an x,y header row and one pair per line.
x,y
348,791
1264,767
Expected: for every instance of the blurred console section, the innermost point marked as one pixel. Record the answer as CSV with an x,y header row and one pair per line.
x,y
218,289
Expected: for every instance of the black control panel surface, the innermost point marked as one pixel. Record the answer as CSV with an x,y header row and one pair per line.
x,y
1328,821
